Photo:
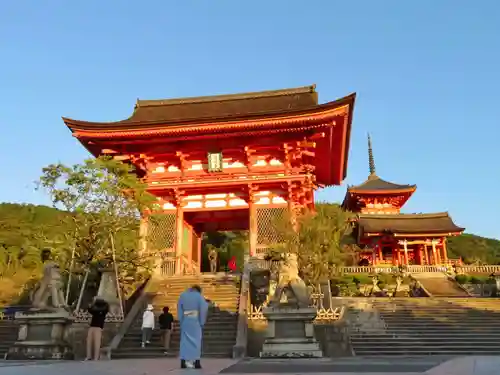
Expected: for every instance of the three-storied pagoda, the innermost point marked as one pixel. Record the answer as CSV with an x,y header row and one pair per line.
x,y
227,162
389,237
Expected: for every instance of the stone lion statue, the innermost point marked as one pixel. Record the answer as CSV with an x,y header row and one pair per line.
x,y
290,284
48,293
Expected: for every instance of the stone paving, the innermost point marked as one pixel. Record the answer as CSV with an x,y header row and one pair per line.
x,y
338,366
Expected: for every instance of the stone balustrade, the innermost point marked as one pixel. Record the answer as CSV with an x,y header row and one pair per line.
x,y
487,268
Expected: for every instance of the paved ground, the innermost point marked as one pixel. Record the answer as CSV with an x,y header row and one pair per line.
x,y
352,366
338,365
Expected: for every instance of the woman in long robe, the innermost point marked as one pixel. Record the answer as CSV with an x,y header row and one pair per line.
x,y
192,309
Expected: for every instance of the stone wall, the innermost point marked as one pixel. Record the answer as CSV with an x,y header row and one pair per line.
x,y
77,337
479,290
361,316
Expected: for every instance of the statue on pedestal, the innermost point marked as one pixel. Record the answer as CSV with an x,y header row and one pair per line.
x,y
290,329
43,330
48,293
290,284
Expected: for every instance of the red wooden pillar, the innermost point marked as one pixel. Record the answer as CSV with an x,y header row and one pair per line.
x,y
445,250
253,226
179,234
190,247
406,252
420,255
199,251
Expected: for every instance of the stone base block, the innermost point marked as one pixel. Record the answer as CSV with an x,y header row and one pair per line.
x,y
42,335
36,350
290,333
291,350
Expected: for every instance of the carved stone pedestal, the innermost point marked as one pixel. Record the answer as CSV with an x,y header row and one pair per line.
x,y
290,333
42,335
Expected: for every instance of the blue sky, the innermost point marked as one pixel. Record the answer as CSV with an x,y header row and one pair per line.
x,y
426,73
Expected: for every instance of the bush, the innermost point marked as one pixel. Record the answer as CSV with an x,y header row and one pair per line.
x,y
475,280
462,279
362,279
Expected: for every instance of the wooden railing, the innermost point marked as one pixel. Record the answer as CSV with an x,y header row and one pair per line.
x,y
169,266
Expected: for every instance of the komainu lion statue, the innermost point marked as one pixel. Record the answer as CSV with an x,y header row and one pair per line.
x,y
48,292
290,284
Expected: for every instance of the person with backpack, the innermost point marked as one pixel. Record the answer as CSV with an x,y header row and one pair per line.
x,y
98,311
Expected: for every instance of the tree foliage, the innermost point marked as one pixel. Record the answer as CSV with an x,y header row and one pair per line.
x,y
320,238
104,200
474,249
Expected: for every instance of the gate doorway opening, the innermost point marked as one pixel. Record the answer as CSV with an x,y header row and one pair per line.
x,y
223,232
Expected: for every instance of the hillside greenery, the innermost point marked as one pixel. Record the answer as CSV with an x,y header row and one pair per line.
x,y
27,228
474,249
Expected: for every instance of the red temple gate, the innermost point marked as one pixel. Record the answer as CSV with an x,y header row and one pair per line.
x,y
227,162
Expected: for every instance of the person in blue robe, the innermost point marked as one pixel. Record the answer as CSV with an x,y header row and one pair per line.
x,y
192,310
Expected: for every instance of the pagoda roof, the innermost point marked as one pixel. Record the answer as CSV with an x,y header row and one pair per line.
x,y
211,108
409,224
375,185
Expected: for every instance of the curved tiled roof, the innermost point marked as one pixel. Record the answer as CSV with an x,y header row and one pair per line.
x,y
214,107
375,184
409,223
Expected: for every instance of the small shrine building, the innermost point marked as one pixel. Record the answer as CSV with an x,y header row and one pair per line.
x,y
387,236
226,162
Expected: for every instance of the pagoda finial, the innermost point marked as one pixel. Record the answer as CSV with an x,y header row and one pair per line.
x,y
371,160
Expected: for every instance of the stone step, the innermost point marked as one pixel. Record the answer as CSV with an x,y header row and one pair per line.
x,y
431,324
463,314
443,341
211,320
459,310
219,334
427,335
415,351
444,311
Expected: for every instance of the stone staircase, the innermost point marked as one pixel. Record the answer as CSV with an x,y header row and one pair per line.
x,y
219,334
430,326
439,285
8,335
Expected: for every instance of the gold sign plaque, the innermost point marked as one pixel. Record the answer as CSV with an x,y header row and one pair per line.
x,y
215,161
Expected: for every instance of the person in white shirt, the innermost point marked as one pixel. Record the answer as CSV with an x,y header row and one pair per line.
x,y
148,325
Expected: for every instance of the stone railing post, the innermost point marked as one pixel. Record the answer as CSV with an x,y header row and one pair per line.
x,y
240,348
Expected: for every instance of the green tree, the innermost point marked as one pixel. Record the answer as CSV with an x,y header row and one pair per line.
x,y
104,199
321,239
474,249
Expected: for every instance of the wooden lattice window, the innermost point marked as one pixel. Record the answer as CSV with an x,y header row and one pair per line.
x,y
268,220
161,232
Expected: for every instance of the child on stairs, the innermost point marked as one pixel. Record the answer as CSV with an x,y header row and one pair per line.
x,y
148,325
